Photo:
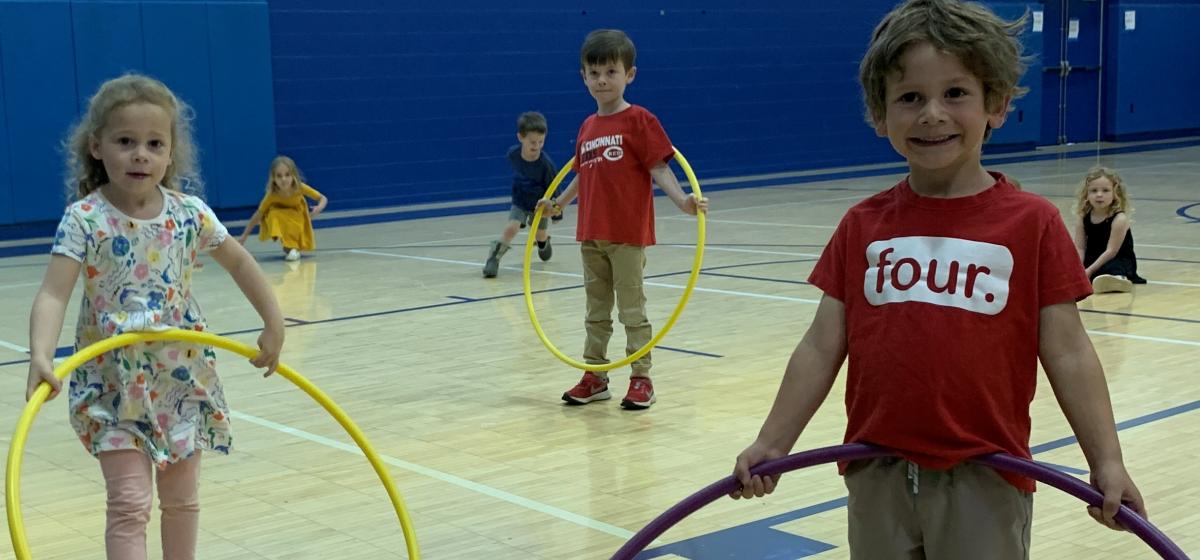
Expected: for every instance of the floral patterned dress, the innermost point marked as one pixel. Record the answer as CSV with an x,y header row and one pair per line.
x,y
163,398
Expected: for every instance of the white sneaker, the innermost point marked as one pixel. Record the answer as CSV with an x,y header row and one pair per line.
x,y
292,255
1106,283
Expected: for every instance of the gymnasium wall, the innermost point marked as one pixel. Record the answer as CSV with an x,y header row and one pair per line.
x,y
390,103
1153,69
386,102
215,54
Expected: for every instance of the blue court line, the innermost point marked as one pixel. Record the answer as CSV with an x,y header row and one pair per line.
x,y
1183,213
1093,311
764,541
694,352
1133,423
801,282
46,229
24,250
65,351
459,300
760,263
709,269
752,540
1063,468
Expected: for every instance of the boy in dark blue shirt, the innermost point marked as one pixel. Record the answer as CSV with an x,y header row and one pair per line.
x,y
532,173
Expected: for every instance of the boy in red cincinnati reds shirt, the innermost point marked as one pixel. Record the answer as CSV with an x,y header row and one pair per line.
x,y
619,150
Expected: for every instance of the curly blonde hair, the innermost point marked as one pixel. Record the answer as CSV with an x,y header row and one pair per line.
x,y
988,46
1121,202
86,174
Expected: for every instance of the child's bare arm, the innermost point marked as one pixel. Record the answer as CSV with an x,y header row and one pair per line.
x,y
249,278
665,179
1080,239
1078,381
568,195
254,220
46,321
1120,226
806,382
562,200
320,207
317,196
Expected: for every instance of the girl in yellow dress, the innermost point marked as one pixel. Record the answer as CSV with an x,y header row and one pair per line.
x,y
284,213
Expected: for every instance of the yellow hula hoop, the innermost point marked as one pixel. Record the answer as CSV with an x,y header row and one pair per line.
x,y
687,291
12,479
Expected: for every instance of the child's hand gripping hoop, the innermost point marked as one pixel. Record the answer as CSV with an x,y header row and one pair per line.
x,y
687,291
12,480
1149,534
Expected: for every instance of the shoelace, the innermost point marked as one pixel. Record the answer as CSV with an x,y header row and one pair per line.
x,y
595,381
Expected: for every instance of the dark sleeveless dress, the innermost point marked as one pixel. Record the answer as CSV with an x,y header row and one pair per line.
x,y
1124,264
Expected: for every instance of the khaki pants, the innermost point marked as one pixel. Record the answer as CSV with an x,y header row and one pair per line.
x,y
966,512
615,269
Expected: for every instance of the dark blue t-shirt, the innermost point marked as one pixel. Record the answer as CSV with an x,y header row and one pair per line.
x,y
530,178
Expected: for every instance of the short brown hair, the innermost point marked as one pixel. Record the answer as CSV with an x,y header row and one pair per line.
x,y
531,121
987,45
607,45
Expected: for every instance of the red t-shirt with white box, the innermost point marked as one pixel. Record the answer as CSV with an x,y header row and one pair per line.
x,y
613,157
942,300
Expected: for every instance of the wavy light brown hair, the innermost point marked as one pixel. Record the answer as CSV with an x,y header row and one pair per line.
x,y
988,46
85,173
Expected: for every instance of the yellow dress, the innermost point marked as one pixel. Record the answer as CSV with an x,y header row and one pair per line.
x,y
286,218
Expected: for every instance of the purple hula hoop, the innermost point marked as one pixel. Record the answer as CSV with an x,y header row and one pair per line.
x,y
855,451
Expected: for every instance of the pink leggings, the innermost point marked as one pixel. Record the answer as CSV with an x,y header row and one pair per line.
x,y
127,476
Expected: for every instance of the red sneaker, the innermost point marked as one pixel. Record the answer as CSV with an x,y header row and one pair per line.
x,y
590,388
640,395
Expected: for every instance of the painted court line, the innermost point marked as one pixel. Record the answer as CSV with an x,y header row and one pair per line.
x,y
728,542
521,234
748,294
734,250
25,285
1181,248
11,346
776,205
1147,338
1183,284
446,477
574,275
747,223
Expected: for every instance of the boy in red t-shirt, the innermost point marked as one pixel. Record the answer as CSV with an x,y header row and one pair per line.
x,y
618,151
944,291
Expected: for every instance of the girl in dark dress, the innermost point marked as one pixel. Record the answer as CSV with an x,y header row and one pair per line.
x,y
1103,236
